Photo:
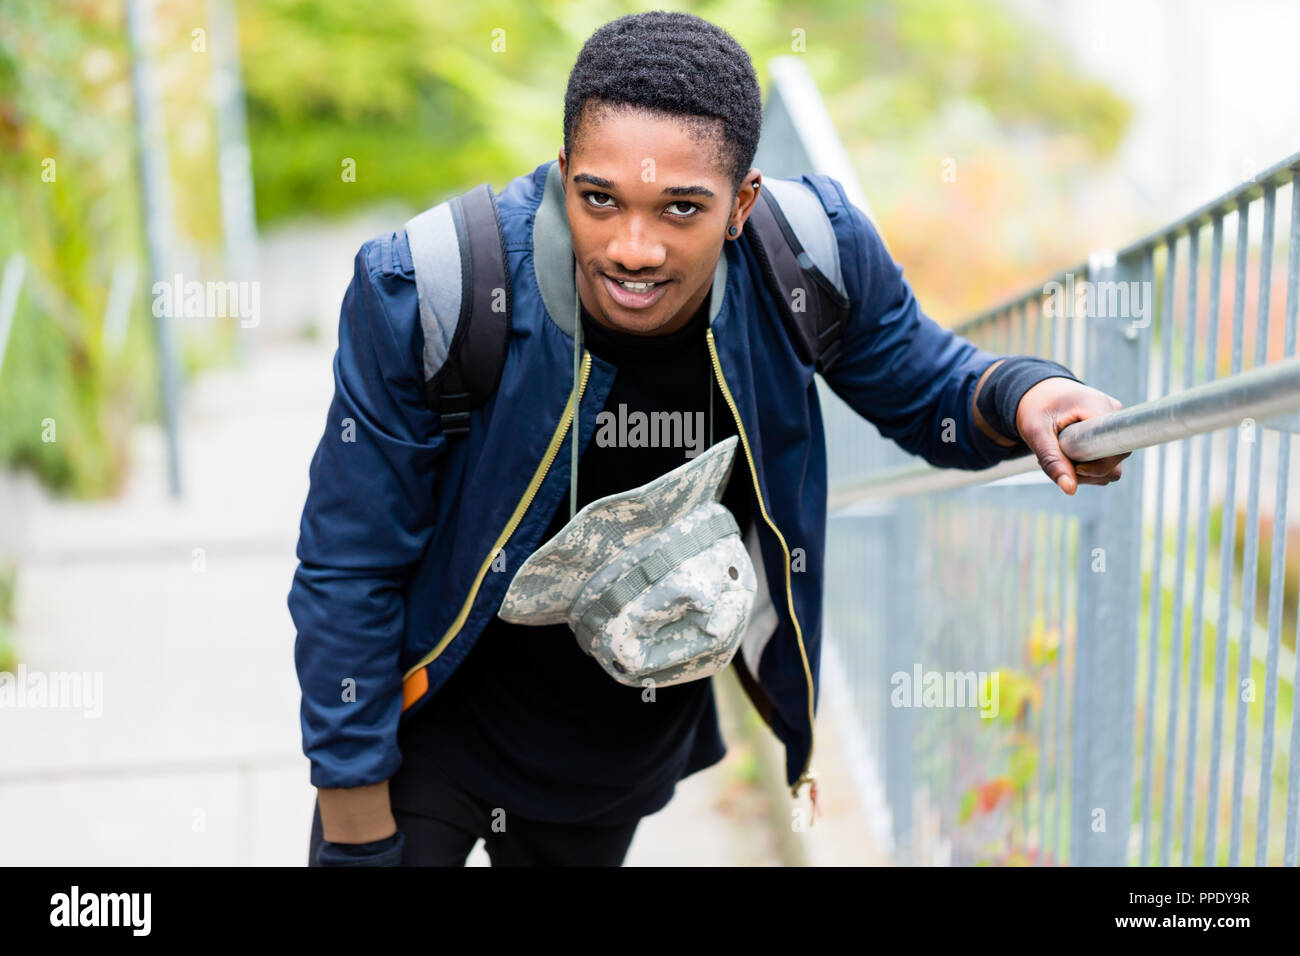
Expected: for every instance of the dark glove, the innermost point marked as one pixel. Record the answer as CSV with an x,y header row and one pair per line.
x,y
385,852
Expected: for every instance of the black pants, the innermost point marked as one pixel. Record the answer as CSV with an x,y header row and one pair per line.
x,y
441,823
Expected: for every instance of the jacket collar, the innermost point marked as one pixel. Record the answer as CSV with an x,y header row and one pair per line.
x,y
553,261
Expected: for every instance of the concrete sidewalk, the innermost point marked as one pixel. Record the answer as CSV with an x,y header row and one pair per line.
x,y
181,607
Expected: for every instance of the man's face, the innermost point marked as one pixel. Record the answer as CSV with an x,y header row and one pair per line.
x,y
646,202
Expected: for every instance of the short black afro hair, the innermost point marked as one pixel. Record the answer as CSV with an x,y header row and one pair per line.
x,y
675,64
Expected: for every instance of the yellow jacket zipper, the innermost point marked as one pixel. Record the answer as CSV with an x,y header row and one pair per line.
x,y
807,776
529,493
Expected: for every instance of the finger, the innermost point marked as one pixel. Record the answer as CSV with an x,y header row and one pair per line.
x,y
1041,438
1111,478
1099,468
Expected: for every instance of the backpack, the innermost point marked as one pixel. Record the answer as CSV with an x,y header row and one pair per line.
x,y
463,284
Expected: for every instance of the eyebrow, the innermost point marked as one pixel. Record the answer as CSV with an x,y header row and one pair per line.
x,y
602,183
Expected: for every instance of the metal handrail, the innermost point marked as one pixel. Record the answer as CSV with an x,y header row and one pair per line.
x,y
1262,393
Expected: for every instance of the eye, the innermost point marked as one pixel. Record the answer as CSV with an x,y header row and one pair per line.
x,y
694,209
588,196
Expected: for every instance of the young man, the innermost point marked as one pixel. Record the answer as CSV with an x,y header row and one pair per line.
x,y
431,721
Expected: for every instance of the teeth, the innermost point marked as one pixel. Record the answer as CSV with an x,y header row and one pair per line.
x,y
637,286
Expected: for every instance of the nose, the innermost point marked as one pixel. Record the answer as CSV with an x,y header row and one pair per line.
x,y
635,248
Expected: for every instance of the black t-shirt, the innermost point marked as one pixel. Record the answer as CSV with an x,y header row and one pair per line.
x,y
529,721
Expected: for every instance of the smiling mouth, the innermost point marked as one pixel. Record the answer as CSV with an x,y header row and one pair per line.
x,y
635,295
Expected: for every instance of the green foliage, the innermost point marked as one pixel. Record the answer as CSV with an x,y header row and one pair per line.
x,y
69,185
423,98
427,99
64,156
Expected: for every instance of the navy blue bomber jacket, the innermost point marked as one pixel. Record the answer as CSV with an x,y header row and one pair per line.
x,y
396,577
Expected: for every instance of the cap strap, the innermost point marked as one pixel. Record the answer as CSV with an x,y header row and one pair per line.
x,y
654,567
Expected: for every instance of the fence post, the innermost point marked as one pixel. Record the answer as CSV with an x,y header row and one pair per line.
x,y
1108,577
234,163
155,190
903,644
10,286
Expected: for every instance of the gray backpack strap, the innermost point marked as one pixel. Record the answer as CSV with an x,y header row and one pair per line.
x,y
796,245
463,286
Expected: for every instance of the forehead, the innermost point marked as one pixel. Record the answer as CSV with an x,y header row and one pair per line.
x,y
620,143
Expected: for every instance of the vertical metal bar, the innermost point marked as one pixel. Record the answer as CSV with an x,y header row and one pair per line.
x,y
234,162
1276,582
155,185
1018,596
1052,839
1038,329
1067,334
1025,608
1046,523
1274,609
1053,323
1180,575
1107,603
10,287
117,310
1010,633
1068,604
1251,554
1167,328
941,615
1228,523
983,649
1145,338
900,642
1025,540
1227,533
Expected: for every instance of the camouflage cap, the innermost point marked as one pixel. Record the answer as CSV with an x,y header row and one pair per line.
x,y
654,581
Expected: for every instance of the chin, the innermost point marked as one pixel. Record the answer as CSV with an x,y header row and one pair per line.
x,y
626,321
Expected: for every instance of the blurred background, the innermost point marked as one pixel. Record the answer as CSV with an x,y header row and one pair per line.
x,y
153,467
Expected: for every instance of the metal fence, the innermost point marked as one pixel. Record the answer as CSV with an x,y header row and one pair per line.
x,y
1106,678
1138,639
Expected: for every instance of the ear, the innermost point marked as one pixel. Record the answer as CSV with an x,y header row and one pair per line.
x,y
745,199
563,160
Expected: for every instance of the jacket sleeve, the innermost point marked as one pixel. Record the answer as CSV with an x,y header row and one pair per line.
x,y
899,369
369,515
